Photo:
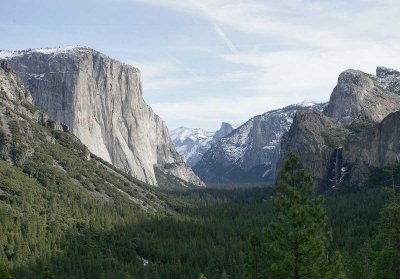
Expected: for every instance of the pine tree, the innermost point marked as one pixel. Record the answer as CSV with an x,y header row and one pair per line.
x,y
4,274
297,240
46,274
129,276
254,258
388,240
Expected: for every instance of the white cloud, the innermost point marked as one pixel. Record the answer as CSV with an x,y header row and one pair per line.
x,y
209,113
159,76
316,40
225,39
309,73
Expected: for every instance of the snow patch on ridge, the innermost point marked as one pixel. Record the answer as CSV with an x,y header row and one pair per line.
x,y
192,143
8,54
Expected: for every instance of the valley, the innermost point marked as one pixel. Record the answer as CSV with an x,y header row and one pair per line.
x,y
93,185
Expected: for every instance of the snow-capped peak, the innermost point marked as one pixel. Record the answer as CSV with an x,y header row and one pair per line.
x,y
307,103
195,134
192,143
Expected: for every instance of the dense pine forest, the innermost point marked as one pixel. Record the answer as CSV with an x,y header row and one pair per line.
x,y
218,232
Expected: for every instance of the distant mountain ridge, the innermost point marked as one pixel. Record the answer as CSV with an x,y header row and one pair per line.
x,y
100,100
250,153
192,143
330,138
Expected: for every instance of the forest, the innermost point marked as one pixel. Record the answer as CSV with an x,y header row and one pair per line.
x,y
65,213
52,229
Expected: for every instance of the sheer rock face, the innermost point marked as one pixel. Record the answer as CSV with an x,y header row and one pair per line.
x,y
312,137
364,97
101,102
249,153
374,148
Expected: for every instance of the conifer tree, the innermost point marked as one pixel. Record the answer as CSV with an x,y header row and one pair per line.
x,y
297,241
4,274
388,240
254,258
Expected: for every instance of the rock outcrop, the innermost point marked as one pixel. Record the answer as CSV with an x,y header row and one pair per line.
x,y
11,86
100,100
373,148
364,97
389,79
249,153
225,129
313,136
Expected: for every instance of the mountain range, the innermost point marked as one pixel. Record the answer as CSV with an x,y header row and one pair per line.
x,y
100,101
341,140
250,152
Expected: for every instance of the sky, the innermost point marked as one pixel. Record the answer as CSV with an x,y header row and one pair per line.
x,y
207,61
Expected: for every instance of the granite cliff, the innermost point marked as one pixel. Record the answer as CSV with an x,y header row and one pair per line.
x,y
363,97
101,102
35,149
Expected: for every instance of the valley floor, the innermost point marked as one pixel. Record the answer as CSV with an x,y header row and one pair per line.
x,y
209,235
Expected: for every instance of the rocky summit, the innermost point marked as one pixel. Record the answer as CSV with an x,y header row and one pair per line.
x,y
101,102
364,97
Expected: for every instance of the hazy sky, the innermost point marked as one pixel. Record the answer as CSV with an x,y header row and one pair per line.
x,y
207,61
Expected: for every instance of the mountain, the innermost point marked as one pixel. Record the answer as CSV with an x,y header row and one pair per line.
x,y
250,153
356,132
192,143
100,101
38,151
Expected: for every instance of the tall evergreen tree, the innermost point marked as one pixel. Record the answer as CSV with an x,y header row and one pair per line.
x,y
254,258
4,274
297,241
388,240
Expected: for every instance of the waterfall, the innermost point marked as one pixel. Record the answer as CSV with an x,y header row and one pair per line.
x,y
335,170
